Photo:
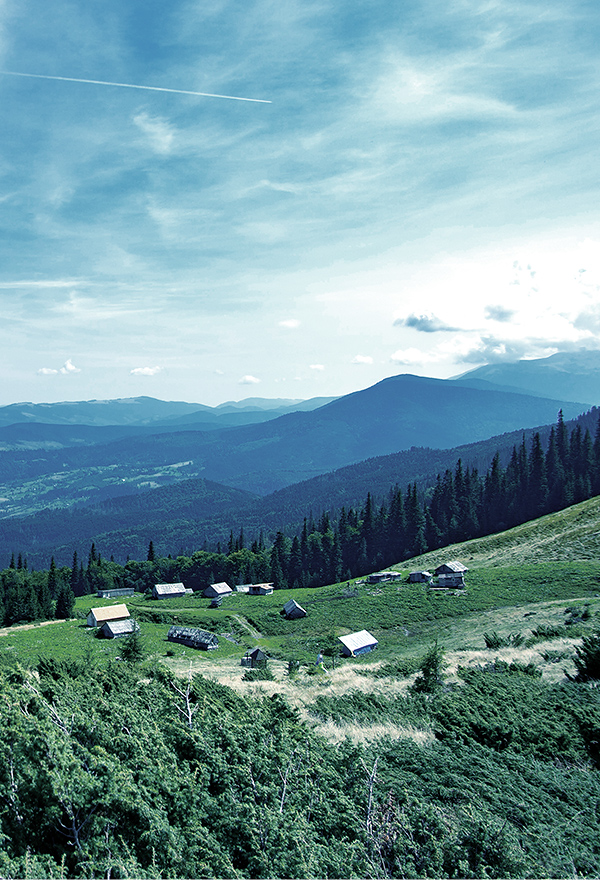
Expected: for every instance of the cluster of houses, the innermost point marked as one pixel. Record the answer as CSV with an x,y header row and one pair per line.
x,y
449,574
115,621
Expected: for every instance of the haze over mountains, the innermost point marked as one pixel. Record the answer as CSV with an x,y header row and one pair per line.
x,y
153,444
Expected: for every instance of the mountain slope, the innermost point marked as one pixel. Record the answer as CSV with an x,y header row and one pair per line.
x,y
569,375
177,519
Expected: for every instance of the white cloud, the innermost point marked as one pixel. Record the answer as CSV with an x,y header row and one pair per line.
x,y
145,371
317,367
248,380
362,359
158,131
47,371
427,323
68,368
290,323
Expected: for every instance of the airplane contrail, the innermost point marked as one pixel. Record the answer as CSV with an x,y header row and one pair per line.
x,y
99,82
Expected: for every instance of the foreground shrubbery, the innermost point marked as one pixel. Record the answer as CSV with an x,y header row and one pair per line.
x,y
120,771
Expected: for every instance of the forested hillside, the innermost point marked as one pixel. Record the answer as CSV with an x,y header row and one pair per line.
x,y
121,769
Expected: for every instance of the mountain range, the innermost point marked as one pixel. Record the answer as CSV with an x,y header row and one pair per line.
x,y
65,480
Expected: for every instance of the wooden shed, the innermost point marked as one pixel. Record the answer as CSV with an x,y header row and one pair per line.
x,y
118,591
419,577
292,610
358,643
115,629
260,589
215,590
382,577
451,574
98,616
193,638
168,591
254,658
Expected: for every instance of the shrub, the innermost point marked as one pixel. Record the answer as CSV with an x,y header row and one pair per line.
x,y
258,674
587,659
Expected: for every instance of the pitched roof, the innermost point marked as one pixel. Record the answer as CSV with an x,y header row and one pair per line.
x,y
453,566
188,633
112,612
169,589
221,588
120,627
357,640
292,605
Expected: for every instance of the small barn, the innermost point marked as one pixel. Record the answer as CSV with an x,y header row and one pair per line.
x,y
451,574
260,589
292,610
193,638
112,594
216,590
358,643
254,658
382,577
115,629
98,616
419,577
168,591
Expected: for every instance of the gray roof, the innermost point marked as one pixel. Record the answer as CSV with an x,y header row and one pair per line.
x,y
188,633
119,627
169,589
452,567
357,640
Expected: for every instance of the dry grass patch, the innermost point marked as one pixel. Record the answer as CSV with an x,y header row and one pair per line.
x,y
368,733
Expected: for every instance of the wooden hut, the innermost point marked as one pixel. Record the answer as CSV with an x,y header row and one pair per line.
x,y
358,643
292,610
112,594
254,658
168,591
216,590
260,589
451,574
193,638
98,616
116,629
419,577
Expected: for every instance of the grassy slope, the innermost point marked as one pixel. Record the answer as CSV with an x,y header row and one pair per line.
x,y
539,568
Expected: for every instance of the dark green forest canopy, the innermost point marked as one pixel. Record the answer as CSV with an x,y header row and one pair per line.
x,y
110,769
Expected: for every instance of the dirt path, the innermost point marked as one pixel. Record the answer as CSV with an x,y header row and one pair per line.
x,y
7,630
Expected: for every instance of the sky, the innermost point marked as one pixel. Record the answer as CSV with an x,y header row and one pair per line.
x,y
421,195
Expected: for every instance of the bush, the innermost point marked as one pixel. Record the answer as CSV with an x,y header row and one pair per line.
x,y
258,674
587,659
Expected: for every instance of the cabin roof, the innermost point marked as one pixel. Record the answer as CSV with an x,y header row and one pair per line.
x,y
112,612
354,641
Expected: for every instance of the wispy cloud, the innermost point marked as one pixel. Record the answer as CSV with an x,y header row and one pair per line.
x,y
499,313
159,132
248,380
362,359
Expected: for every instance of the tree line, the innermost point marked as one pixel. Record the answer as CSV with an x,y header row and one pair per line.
x,y
461,504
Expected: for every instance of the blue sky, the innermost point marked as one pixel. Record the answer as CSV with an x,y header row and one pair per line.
x,y
421,194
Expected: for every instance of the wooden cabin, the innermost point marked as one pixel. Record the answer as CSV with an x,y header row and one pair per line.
x,y
358,643
292,610
193,638
168,591
98,616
